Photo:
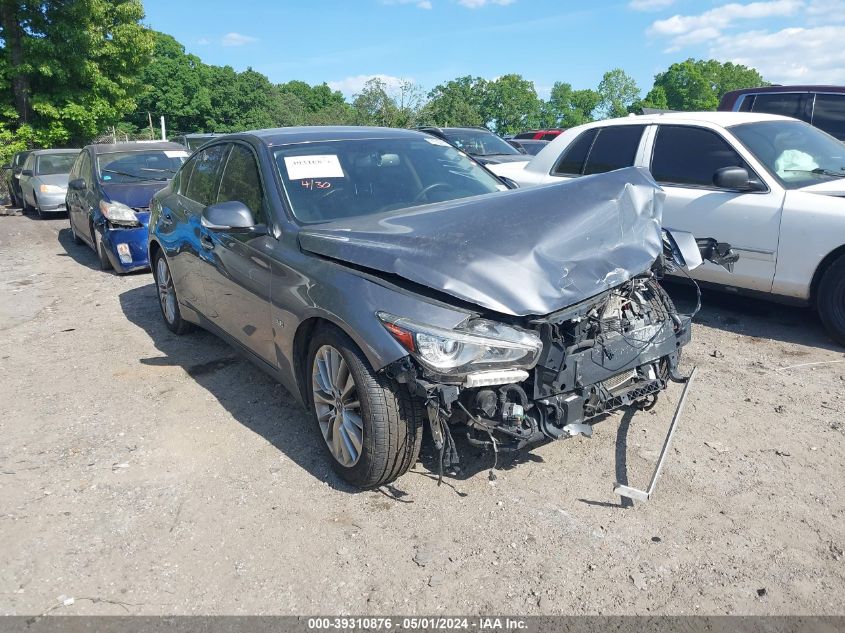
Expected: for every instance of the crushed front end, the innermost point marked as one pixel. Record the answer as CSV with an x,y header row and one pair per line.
x,y
565,369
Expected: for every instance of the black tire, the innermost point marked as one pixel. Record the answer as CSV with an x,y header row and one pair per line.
x,y
830,300
100,249
14,198
39,212
176,323
392,418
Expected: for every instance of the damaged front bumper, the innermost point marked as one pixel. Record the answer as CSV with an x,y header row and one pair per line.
x,y
125,246
613,351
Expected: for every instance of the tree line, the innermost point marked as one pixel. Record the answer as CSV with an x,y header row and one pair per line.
x,y
71,70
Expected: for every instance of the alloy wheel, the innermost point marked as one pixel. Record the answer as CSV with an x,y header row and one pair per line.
x,y
166,292
337,406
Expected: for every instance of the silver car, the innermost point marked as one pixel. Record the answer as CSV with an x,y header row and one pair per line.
x,y
44,178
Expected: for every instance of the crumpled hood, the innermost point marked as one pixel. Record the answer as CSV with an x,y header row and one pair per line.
x,y
520,252
137,196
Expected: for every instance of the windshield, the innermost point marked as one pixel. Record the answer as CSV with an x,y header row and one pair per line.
x,y
53,164
341,179
479,142
139,165
796,153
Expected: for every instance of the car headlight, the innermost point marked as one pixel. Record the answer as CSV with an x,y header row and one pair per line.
x,y
118,213
52,189
475,345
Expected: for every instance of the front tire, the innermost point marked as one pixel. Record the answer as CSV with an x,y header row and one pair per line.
x,y
830,300
370,424
167,299
100,249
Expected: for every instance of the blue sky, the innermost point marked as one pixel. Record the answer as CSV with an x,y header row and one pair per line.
x,y
430,41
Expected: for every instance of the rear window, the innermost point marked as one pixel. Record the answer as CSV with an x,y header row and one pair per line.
x,y
571,162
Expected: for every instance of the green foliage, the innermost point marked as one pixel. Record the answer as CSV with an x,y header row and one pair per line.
x,y
70,68
617,92
510,104
567,107
378,104
699,84
456,103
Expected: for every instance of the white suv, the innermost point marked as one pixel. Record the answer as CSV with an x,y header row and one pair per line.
x,y
771,186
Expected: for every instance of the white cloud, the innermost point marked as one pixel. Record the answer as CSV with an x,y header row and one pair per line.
x,y
650,5
353,85
420,4
684,30
477,4
792,55
237,39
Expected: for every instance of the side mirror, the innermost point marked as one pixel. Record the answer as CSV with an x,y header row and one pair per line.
x,y
227,215
736,178
5,167
78,184
26,172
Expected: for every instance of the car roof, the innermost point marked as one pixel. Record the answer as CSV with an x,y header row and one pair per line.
x,y
318,133
109,148
794,88
46,152
724,119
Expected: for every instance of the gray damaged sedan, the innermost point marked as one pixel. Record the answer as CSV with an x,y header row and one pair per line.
x,y
391,283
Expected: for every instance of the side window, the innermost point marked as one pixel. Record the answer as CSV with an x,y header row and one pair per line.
x,y
30,162
201,187
74,170
686,155
242,182
571,162
829,114
85,170
614,148
795,104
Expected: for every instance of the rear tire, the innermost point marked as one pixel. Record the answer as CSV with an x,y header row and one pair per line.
x,y
830,300
389,421
168,302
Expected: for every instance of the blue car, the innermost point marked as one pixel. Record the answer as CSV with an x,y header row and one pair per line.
x,y
108,198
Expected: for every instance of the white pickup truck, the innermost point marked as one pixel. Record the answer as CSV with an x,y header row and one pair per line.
x,y
771,186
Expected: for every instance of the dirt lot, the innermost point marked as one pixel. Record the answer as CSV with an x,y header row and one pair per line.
x,y
146,473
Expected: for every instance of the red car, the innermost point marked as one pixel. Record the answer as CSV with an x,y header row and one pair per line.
x,y
821,106
540,135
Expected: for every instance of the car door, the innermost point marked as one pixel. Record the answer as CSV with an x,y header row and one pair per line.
x,y
684,160
27,174
181,226
76,204
237,270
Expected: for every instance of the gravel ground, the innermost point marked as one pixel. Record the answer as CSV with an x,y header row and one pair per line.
x,y
146,473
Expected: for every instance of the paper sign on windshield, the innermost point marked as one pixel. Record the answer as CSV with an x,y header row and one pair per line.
x,y
316,166
175,153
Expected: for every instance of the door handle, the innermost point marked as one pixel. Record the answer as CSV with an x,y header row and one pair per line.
x,y
206,241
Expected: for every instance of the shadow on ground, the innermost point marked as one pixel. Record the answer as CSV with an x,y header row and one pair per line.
x,y
752,317
250,396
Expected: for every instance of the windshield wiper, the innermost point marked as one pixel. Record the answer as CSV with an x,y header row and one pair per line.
x,y
821,171
169,171
128,175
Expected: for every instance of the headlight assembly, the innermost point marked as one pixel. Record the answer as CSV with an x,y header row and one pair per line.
x,y
118,213
51,189
476,345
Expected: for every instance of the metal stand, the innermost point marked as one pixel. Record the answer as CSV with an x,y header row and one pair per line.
x,y
645,495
